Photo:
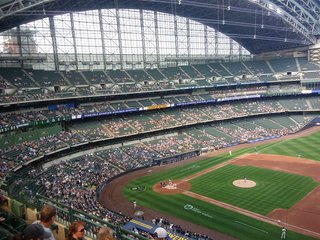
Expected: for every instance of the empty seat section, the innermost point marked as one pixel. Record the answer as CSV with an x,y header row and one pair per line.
x,y
192,73
283,121
284,65
75,78
219,69
156,74
173,73
294,104
236,68
305,65
17,77
47,78
205,70
258,67
314,102
119,76
96,77
139,75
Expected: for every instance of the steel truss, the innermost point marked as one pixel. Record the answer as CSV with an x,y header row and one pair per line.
x,y
17,6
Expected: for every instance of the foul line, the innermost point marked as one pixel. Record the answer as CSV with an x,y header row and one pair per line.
x,y
248,213
198,174
258,229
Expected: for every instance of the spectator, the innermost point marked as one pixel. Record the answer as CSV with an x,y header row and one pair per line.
x,y
47,217
105,233
34,232
9,221
160,233
76,231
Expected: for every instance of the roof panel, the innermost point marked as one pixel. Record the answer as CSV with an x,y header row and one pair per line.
x,y
255,29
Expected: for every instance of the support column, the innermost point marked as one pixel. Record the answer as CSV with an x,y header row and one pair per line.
x,y
119,37
102,41
188,39
176,38
54,43
143,39
216,42
19,42
206,41
231,47
74,41
157,36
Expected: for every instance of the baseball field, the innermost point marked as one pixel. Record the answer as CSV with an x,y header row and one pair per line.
x,y
285,193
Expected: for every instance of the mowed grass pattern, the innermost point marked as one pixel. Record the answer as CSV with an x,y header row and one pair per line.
x,y
274,189
305,147
225,221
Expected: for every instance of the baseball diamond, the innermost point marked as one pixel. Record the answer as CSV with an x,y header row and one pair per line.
x,y
204,196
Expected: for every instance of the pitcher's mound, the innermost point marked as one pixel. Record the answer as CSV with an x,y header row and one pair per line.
x,y
244,183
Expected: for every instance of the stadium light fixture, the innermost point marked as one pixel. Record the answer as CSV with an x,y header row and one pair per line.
x,y
279,11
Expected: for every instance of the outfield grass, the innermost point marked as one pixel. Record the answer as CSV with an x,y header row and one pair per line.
x,y
216,218
274,189
306,147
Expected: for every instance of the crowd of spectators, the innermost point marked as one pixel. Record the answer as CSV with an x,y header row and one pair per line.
x,y
111,128
73,183
182,116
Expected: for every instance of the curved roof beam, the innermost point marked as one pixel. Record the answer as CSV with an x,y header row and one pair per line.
x,y
15,6
308,13
313,7
291,20
265,4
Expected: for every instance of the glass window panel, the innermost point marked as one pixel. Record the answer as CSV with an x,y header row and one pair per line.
x,y
87,33
64,34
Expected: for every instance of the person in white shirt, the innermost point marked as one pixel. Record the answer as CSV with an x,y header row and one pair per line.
x,y
283,233
47,218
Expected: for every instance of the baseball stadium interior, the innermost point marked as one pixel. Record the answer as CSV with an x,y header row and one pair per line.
x,y
93,90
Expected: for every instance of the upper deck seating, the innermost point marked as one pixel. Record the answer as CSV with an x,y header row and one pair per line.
x,y
284,65
96,77
205,70
17,77
173,73
305,65
119,76
191,71
156,74
236,68
75,78
47,78
217,67
258,67
139,75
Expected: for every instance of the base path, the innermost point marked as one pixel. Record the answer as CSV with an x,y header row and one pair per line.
x,y
294,165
